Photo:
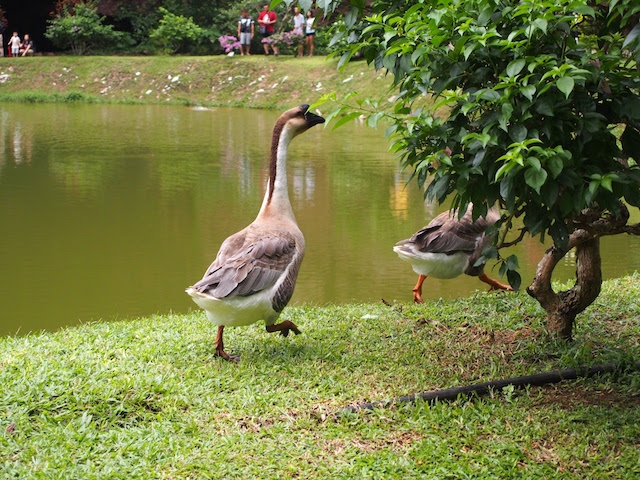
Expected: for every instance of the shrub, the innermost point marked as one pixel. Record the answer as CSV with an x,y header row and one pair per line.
x,y
175,32
82,29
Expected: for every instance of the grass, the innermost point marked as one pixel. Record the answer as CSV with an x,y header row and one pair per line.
x,y
146,398
256,81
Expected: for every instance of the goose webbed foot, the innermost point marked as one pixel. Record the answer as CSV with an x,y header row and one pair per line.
x,y
283,328
226,356
494,284
417,290
219,351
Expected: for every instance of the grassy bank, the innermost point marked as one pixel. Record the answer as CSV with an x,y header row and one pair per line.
x,y
256,81
146,398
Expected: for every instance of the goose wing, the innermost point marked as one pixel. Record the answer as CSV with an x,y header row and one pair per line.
x,y
447,234
248,263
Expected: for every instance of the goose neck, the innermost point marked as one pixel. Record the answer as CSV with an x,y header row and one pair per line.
x,y
276,199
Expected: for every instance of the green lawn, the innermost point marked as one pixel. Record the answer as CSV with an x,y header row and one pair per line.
x,y
147,399
250,82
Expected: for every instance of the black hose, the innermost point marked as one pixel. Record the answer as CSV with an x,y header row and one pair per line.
x,y
484,388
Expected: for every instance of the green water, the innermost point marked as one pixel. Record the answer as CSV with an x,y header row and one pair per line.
x,y
109,212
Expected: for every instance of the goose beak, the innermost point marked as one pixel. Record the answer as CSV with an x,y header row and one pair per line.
x,y
312,118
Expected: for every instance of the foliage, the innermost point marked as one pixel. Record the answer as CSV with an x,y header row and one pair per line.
x,y
81,28
145,398
229,43
3,21
529,97
137,18
174,32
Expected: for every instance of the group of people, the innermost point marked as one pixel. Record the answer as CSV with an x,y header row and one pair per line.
x,y
266,22
20,48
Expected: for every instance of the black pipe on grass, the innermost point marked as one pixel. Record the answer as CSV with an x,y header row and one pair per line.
x,y
486,387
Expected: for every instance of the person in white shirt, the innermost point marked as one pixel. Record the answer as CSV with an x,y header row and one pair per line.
x,y
14,45
310,32
298,24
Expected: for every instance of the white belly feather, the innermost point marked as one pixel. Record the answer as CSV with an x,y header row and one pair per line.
x,y
438,265
236,311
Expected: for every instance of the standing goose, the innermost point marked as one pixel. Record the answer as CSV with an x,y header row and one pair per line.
x,y
449,246
255,271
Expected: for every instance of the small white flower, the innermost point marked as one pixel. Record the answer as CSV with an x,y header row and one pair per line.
x,y
175,79
137,74
148,92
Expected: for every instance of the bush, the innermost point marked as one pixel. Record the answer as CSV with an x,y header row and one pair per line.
x,y
175,33
82,29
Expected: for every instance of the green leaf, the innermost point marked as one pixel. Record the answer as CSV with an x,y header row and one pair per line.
x,y
535,178
488,95
633,34
565,85
346,119
555,165
515,67
585,10
534,163
372,121
541,23
515,280
351,17
630,140
517,132
528,91
607,181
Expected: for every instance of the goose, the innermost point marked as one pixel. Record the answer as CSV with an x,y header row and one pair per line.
x,y
448,247
255,270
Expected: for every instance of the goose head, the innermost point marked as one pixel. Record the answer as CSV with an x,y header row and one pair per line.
x,y
295,121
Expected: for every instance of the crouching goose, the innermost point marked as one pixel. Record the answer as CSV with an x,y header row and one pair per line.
x,y
255,271
449,246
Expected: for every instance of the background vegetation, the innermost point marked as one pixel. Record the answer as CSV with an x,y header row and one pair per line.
x,y
190,27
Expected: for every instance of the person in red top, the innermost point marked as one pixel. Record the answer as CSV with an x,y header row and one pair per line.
x,y
267,21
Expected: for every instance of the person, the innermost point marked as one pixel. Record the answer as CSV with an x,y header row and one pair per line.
x,y
14,45
310,32
298,23
267,20
246,30
26,47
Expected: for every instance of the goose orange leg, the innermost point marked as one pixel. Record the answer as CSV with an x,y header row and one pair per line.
x,y
417,290
494,284
283,328
219,352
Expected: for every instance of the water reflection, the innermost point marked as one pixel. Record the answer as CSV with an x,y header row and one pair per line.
x,y
111,211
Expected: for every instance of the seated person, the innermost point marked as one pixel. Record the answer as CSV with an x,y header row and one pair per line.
x,y
26,47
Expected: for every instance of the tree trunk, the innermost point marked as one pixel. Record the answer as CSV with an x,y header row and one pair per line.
x,y
562,308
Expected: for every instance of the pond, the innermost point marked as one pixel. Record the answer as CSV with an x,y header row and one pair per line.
x,y
109,212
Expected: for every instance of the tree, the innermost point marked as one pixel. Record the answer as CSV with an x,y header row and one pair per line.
x,y
533,104
174,31
80,27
